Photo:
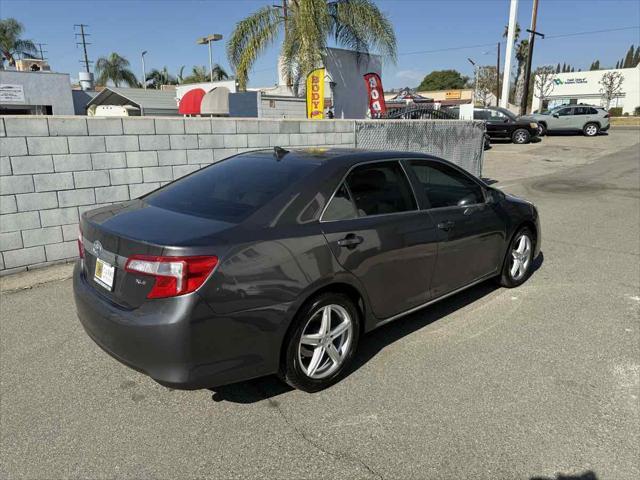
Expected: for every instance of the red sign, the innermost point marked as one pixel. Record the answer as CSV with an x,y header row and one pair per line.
x,y
377,107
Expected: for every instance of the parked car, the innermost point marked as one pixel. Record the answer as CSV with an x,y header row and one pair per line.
x,y
278,262
503,124
588,119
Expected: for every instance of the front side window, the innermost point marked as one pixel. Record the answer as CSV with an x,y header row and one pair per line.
x,y
445,186
480,114
565,112
380,188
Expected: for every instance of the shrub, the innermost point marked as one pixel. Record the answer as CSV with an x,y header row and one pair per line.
x,y
615,111
636,111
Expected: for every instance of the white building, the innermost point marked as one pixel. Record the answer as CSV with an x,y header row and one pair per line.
x,y
585,87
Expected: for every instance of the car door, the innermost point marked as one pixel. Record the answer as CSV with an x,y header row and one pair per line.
x,y
581,116
564,119
375,231
501,124
471,232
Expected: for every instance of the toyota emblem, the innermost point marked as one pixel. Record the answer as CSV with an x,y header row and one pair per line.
x,y
97,248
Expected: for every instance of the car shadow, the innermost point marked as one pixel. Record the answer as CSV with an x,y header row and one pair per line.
x,y
265,388
589,475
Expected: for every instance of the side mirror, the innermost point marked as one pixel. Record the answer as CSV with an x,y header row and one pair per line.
x,y
556,115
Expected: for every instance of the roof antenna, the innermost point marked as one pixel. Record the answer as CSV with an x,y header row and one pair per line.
x,y
279,153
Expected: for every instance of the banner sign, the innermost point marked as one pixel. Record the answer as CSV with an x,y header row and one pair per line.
x,y
377,106
315,94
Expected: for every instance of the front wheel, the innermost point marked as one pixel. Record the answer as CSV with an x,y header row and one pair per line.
x,y
518,263
542,130
322,342
591,129
521,136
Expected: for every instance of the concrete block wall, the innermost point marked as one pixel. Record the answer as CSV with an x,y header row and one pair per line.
x,y
54,168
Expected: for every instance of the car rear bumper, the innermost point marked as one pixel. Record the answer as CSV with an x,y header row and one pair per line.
x,y
605,127
180,342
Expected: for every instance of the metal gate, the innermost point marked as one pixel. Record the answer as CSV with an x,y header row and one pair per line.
x,y
459,141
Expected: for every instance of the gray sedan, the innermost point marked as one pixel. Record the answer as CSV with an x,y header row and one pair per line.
x,y
279,261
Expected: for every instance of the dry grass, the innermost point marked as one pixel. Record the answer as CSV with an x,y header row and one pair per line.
x,y
633,121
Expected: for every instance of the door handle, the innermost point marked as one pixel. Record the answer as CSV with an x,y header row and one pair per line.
x,y
446,226
350,241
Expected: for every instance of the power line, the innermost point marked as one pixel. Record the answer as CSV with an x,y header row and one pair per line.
x,y
448,49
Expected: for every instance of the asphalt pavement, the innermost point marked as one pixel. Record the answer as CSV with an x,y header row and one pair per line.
x,y
530,383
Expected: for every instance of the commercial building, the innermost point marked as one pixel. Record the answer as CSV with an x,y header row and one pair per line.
x,y
35,93
585,87
136,102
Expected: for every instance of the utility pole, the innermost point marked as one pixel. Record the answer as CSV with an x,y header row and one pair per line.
x,y
506,78
498,78
144,71
84,44
527,73
475,80
42,52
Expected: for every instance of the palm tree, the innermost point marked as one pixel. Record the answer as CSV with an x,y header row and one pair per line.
x,y
200,74
159,78
522,53
355,24
516,34
11,45
115,68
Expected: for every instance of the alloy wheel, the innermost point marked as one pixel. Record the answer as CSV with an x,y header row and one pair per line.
x,y
520,257
520,137
591,130
325,341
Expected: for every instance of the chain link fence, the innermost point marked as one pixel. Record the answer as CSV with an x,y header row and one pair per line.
x,y
459,141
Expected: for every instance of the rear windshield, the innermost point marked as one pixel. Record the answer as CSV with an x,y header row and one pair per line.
x,y
231,190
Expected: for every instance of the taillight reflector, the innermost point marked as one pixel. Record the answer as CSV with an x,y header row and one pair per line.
x,y
80,244
173,275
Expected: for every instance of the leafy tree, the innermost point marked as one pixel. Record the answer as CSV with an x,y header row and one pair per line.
x,y
115,68
636,57
611,87
443,80
200,74
355,24
11,45
156,78
558,69
595,65
628,58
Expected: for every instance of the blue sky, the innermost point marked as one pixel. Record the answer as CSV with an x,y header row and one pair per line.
x,y
168,29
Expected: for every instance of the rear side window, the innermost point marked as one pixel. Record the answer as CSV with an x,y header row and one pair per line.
x,y
592,111
230,190
380,188
445,186
340,207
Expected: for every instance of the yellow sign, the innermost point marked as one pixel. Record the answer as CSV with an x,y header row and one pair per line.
x,y
315,94
453,95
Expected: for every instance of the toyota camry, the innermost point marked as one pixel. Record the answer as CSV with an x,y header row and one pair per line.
x,y
278,261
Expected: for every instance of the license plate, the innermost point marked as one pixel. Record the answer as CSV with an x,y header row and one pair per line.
x,y
104,274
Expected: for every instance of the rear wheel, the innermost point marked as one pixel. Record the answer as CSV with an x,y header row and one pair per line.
x,y
518,263
520,136
591,129
321,343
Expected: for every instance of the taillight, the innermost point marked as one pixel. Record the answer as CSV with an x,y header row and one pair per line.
x,y
173,275
80,244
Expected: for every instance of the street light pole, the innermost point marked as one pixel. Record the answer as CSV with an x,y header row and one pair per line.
x,y
211,38
475,80
144,72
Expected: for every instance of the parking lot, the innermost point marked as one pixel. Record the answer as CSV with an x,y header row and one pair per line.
x,y
530,383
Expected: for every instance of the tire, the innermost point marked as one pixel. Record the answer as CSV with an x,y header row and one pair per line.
x,y
542,129
521,136
591,129
512,276
297,367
